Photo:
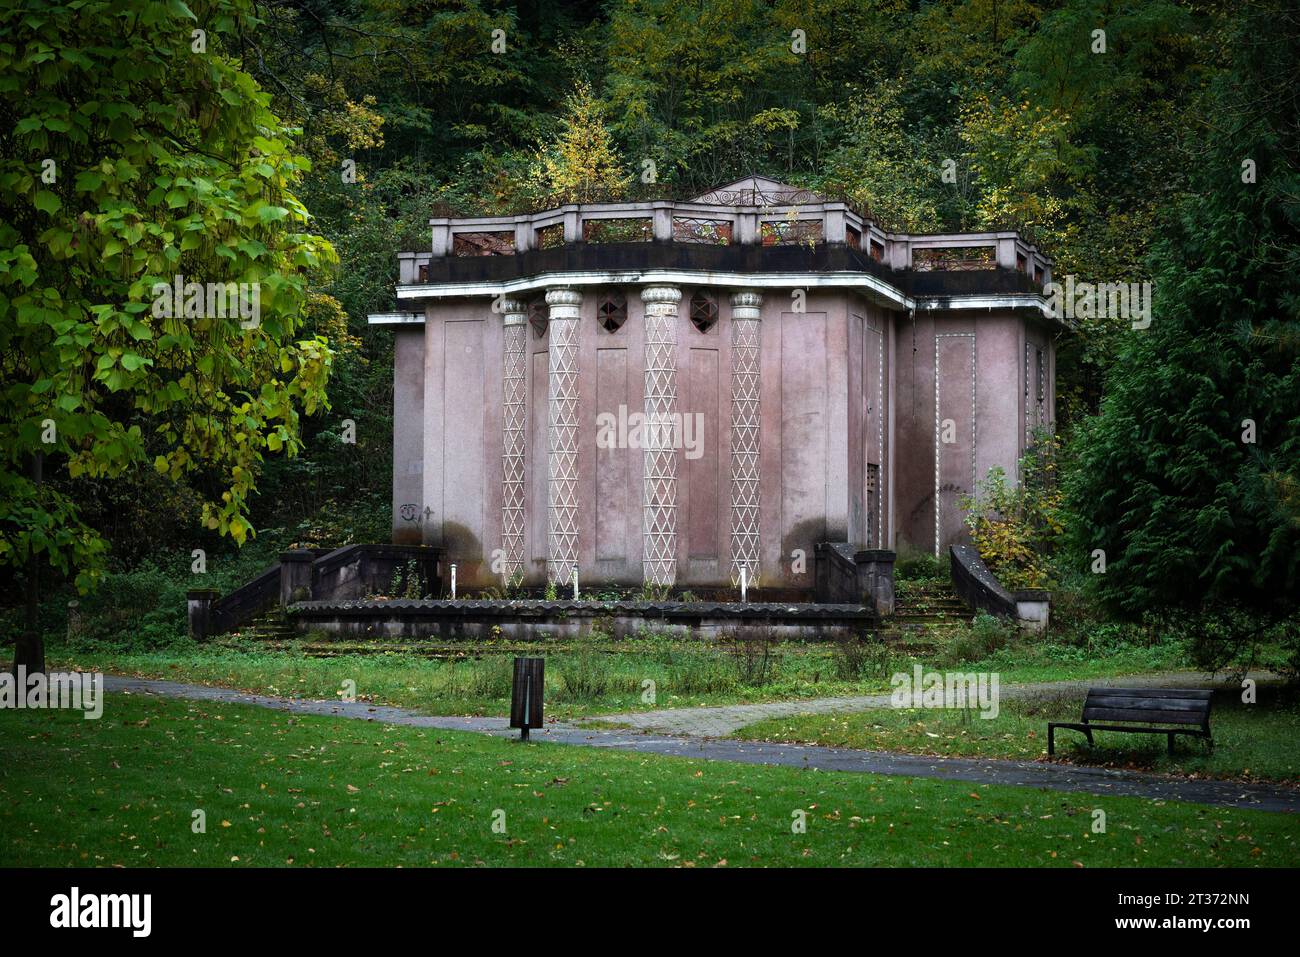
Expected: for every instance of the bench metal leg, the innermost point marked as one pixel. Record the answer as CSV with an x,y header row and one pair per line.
x,y
1171,745
1051,740
1088,732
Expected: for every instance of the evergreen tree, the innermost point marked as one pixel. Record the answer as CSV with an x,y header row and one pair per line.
x,y
1187,477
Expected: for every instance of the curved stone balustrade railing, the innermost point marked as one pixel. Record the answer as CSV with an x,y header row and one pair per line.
x,y
980,589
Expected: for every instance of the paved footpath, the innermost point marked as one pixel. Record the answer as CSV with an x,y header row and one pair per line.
x,y
719,722
1058,777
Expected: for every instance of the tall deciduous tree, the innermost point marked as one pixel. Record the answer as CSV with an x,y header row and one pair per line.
x,y
136,151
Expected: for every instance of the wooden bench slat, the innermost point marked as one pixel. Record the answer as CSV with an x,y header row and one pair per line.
x,y
1137,714
1147,704
1196,693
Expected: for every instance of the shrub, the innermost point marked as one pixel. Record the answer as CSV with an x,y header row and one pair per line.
x,y
754,659
859,657
703,672
991,633
985,635
142,609
491,677
1016,529
584,675
917,566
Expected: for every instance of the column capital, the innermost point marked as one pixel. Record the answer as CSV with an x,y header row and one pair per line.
x,y
661,293
563,297
745,304
513,311
564,303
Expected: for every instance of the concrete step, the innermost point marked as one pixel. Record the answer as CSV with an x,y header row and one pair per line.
x,y
271,628
931,609
927,624
925,615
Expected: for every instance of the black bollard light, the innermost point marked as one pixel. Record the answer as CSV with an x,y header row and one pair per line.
x,y
526,695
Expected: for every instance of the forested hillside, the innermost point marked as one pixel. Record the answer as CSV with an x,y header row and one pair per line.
x,y
1090,125
439,111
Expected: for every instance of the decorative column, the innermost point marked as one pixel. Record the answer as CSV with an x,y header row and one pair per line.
x,y
514,416
659,555
562,436
745,418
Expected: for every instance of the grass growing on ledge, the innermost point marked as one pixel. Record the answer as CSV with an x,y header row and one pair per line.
x,y
279,789
1251,741
595,677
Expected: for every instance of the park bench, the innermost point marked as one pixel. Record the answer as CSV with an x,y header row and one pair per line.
x,y
1167,711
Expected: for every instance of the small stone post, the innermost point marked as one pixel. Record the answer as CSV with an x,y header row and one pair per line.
x,y
295,576
198,605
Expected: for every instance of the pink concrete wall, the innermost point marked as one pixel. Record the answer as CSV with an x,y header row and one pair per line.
x,y
989,352
914,431
704,487
998,399
796,397
462,435
845,385
1038,412
870,330
408,435
613,374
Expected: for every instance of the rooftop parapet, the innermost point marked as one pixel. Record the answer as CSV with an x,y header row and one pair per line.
x,y
751,213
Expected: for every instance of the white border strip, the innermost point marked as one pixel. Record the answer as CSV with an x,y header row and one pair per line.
x,y
394,318
780,280
876,289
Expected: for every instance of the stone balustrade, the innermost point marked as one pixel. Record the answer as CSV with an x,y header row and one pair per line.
x,y
770,221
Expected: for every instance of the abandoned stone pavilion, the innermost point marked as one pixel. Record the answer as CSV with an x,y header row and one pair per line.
x,y
678,392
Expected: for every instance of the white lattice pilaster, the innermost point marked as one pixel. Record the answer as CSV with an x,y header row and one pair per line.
x,y
562,436
659,435
745,380
514,418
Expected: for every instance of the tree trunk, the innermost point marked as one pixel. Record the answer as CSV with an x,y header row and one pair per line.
x,y
29,649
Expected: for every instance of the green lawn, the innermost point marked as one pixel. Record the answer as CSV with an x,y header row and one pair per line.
x,y
1251,741
594,677
279,789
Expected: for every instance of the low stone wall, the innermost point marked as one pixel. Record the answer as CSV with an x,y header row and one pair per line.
x,y
351,572
845,573
528,620
978,587
356,571
330,594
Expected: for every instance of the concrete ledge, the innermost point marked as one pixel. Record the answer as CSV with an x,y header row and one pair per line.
x,y
527,619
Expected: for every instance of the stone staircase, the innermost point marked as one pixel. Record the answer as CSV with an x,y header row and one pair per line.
x,y
925,613
271,626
